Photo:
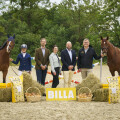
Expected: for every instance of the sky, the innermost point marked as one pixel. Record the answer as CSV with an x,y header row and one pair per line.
x,y
57,1
7,2
53,1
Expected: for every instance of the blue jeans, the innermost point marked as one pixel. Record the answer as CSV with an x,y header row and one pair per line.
x,y
41,75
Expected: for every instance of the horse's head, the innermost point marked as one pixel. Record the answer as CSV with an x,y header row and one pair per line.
x,y
10,43
104,45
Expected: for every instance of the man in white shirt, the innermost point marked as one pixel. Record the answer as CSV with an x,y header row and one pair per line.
x,y
42,61
68,58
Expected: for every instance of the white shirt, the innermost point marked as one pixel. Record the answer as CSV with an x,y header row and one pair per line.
x,y
70,53
43,51
86,50
24,54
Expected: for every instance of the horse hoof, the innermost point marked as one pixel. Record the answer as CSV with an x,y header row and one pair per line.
x,y
4,81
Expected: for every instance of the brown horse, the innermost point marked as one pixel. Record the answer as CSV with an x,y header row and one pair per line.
x,y
4,55
113,55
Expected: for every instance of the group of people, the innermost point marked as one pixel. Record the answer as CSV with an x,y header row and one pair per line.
x,y
68,59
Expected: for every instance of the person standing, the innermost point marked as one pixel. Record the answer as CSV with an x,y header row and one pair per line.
x,y
42,61
55,66
25,60
68,58
85,58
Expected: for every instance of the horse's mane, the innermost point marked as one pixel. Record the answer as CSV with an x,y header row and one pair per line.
x,y
3,45
110,44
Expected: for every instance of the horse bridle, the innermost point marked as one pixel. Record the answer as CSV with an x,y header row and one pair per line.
x,y
11,46
104,48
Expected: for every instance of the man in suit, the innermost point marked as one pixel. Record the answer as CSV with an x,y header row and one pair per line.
x,y
42,61
68,58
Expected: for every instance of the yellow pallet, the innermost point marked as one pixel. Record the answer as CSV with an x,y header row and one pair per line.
x,y
4,85
105,85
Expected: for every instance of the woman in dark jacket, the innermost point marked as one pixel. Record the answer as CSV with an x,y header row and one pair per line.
x,y
25,60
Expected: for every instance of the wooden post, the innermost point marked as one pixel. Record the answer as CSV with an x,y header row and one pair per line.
x,y
101,68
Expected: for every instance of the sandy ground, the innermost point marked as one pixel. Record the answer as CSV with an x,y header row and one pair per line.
x,y
63,110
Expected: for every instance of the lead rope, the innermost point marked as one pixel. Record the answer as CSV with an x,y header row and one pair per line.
x,y
14,70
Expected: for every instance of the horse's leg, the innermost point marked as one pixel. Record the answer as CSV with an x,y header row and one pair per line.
x,y
112,72
4,75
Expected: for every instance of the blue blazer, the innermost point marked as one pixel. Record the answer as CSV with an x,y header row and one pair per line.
x,y
65,58
25,63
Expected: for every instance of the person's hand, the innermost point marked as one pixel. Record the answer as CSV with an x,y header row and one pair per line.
x,y
29,72
54,73
79,70
10,59
70,67
102,55
43,67
76,58
60,73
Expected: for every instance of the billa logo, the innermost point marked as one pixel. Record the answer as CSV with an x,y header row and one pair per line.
x,y
53,94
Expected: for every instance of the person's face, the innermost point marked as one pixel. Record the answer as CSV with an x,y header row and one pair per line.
x,y
43,43
68,45
55,50
23,50
86,43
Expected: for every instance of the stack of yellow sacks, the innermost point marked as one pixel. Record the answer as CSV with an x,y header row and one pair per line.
x,y
114,89
17,89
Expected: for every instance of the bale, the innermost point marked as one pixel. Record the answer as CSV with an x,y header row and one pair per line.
x,y
39,86
101,95
27,81
5,94
96,86
89,82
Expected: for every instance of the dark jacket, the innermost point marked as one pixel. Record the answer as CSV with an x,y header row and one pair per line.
x,y
65,58
85,60
40,59
25,62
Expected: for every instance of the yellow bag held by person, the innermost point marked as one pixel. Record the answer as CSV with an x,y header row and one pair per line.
x,y
17,88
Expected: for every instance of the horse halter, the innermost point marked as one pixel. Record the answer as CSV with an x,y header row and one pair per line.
x,y
9,46
104,48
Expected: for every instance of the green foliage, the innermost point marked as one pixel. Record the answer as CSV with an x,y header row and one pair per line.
x,y
71,21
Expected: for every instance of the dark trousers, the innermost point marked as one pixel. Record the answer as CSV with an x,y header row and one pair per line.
x,y
56,78
41,75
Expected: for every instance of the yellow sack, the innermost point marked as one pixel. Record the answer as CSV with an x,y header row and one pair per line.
x,y
17,88
114,89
